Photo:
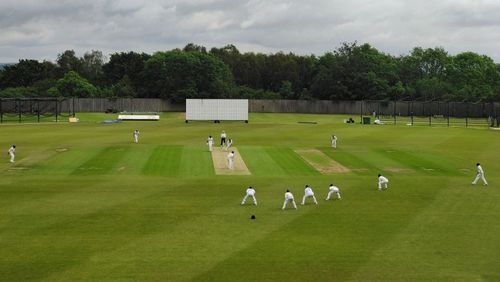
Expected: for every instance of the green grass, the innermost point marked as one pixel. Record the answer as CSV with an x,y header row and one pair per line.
x,y
84,203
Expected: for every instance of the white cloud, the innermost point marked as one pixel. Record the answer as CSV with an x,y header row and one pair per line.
x,y
41,29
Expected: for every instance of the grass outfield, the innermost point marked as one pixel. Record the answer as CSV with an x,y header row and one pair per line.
x,y
84,203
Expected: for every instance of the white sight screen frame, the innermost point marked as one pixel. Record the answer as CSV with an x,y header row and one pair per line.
x,y
217,109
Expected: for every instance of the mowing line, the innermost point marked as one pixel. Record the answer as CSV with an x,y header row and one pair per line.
x,y
290,161
260,162
321,162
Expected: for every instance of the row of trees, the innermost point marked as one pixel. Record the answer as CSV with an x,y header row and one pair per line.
x,y
350,72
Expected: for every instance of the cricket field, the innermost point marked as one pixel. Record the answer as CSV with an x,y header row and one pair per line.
x,y
82,202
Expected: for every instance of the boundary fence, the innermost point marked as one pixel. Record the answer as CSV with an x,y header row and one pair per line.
x,y
436,113
388,112
34,109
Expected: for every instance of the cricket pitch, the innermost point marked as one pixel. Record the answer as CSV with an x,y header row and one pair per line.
x,y
219,157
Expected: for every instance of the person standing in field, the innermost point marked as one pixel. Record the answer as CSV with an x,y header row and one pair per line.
x,y
334,141
249,193
223,138
12,153
230,158
289,198
136,136
210,143
333,190
480,175
308,192
229,143
382,182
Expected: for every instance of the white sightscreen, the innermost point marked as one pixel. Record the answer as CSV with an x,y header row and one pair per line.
x,y
216,109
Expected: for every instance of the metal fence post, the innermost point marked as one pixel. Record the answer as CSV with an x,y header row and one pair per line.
x,y
448,114
394,111
19,109
38,109
57,103
467,115
361,111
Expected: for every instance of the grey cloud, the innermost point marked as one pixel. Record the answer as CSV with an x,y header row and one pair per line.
x,y
41,29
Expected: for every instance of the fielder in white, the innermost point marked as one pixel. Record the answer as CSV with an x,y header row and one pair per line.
x,y
308,192
249,193
480,175
210,143
382,182
289,198
230,158
12,153
334,141
136,136
333,190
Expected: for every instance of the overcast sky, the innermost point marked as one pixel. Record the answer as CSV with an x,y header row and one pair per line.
x,y
40,29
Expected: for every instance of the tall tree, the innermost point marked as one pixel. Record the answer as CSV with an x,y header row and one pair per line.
x,y
191,47
178,75
474,77
26,73
426,71
92,63
73,85
355,72
128,64
68,61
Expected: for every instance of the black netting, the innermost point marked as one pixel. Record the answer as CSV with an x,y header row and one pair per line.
x,y
32,109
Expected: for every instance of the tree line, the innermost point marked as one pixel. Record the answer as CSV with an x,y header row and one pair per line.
x,y
351,72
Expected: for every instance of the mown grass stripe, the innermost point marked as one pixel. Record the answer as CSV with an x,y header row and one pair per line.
x,y
290,162
259,162
164,161
196,161
134,160
356,163
426,163
104,162
66,162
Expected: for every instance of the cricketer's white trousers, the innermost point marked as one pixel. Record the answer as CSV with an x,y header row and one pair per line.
x,y
136,139
289,200
245,199
334,144
230,164
480,176
331,193
210,147
12,157
382,184
307,196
